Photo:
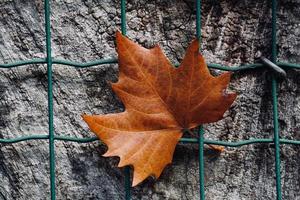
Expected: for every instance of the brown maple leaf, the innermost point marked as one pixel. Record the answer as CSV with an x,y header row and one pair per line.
x,y
160,102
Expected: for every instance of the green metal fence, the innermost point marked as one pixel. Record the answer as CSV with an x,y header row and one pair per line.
x,y
51,137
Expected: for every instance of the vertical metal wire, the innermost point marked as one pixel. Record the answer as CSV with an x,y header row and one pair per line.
x,y
274,29
201,130
198,20
123,17
276,139
127,183
50,100
275,104
201,162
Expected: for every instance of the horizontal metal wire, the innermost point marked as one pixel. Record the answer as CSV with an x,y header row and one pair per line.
x,y
61,62
115,60
24,62
88,64
183,140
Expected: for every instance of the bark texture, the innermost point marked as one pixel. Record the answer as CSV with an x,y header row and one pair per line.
x,y
234,32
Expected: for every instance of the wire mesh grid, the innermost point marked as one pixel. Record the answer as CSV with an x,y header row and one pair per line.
x,y
51,137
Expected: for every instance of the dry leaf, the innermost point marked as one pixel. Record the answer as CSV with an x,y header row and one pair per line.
x,y
160,101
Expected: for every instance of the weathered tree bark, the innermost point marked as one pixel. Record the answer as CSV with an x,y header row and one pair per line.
x,y
234,32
